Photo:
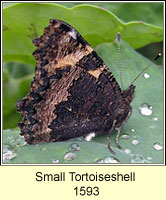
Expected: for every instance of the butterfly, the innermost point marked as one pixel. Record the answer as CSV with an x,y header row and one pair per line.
x,y
73,92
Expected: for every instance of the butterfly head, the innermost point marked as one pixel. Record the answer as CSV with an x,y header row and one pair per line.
x,y
128,94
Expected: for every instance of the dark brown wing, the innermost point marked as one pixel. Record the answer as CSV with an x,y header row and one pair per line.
x,y
73,92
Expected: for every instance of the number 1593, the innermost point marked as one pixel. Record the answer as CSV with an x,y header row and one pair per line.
x,y
82,191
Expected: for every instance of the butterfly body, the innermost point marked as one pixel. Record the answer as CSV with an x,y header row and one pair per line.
x,y
73,92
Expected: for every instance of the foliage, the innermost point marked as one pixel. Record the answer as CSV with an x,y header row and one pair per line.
x,y
23,22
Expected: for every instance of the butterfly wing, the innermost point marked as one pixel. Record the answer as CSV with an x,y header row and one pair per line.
x,y
73,92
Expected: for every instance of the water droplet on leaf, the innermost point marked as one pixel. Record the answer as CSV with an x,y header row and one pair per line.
x,y
74,147
125,136
7,156
157,146
54,160
135,142
127,151
111,159
100,161
149,158
19,142
146,75
155,118
108,159
145,109
69,156
137,158
152,127
90,136
43,149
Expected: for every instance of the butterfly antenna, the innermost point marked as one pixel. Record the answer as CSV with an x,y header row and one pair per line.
x,y
119,60
156,58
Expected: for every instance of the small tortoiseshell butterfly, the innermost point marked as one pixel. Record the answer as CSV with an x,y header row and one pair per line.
x,y
73,92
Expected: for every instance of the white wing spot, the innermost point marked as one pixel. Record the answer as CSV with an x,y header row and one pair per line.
x,y
73,34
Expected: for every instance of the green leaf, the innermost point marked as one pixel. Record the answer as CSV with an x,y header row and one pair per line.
x,y
18,70
143,131
16,82
151,13
88,152
23,22
5,75
13,90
